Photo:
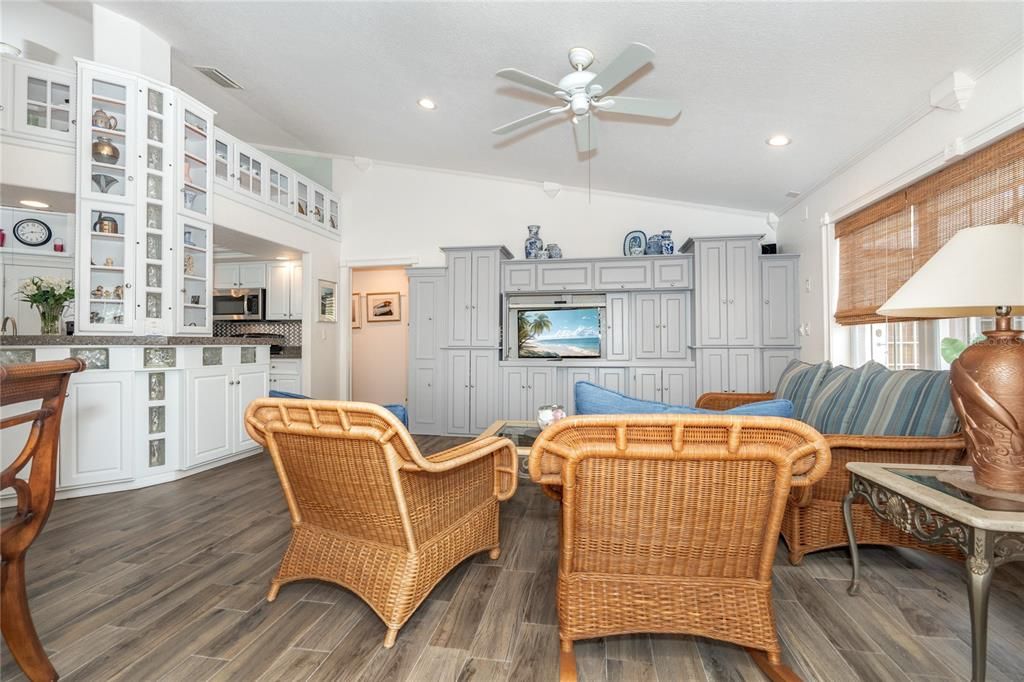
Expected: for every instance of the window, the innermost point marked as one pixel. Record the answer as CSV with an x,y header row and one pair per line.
x,y
914,345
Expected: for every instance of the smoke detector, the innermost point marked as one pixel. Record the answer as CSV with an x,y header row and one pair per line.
x,y
219,77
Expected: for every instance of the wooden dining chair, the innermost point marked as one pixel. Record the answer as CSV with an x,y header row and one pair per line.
x,y
48,382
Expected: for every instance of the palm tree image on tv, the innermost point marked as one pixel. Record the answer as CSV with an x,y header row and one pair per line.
x,y
568,333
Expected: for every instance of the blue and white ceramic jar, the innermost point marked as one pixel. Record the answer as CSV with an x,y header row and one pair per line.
x,y
668,247
534,244
653,245
554,251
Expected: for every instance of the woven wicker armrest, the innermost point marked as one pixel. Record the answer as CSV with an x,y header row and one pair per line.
x,y
505,462
955,441
727,401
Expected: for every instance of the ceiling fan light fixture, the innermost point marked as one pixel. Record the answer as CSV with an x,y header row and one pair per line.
x,y
427,103
778,140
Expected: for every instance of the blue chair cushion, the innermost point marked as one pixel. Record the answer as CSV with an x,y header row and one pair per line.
x,y
397,410
594,399
286,394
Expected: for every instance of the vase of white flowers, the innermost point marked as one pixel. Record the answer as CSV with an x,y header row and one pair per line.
x,y
48,295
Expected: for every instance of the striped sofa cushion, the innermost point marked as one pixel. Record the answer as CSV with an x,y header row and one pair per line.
x,y
831,401
798,382
907,402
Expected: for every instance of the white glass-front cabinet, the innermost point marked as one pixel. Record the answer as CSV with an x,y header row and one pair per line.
x,y
195,151
302,198
107,154
156,211
319,207
333,217
44,102
279,187
194,243
224,159
250,169
106,293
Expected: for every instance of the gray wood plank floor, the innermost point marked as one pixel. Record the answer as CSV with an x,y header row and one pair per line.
x,y
168,583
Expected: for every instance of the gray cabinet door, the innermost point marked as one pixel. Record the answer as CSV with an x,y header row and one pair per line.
x,y
646,383
519,276
614,379
570,375
741,289
425,400
679,385
745,370
513,392
647,326
773,361
622,275
675,325
555,276
458,391
484,299
616,341
779,310
460,295
425,299
540,389
712,297
713,364
483,395
673,273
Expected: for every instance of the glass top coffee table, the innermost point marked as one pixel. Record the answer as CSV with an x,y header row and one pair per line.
x,y
522,433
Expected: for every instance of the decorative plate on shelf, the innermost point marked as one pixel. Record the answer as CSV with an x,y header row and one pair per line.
x,y
635,243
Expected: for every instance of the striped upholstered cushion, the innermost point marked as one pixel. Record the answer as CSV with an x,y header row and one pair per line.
x,y
831,401
797,384
907,402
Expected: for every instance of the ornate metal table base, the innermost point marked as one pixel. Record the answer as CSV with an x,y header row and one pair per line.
x,y
984,549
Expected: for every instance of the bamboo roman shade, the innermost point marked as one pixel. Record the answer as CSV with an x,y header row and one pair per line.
x,y
882,245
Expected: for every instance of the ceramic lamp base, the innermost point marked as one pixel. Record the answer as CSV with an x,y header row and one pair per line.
x,y
988,394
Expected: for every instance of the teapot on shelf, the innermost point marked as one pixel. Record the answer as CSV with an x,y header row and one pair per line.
x,y
105,224
101,119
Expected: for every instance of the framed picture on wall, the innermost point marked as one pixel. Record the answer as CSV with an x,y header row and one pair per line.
x,y
357,312
386,307
328,301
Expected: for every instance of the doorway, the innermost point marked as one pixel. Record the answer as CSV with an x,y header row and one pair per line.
x,y
380,335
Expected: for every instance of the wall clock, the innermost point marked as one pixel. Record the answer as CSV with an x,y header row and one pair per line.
x,y
32,232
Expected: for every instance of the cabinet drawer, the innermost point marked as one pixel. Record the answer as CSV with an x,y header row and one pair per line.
x,y
673,274
563,277
623,275
519,277
285,366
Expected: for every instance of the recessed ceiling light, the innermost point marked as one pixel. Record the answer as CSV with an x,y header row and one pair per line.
x,y
32,203
778,141
427,103
281,257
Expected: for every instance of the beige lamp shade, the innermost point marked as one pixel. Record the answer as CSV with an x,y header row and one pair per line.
x,y
977,270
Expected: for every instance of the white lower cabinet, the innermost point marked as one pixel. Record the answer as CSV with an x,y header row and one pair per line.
x,y
730,370
524,389
96,430
773,362
567,386
472,395
614,379
674,385
286,375
215,400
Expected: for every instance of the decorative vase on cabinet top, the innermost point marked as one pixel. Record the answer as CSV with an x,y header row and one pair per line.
x,y
668,246
104,151
534,244
653,245
554,251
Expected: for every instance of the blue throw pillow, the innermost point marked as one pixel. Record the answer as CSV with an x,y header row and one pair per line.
x,y
594,399
397,410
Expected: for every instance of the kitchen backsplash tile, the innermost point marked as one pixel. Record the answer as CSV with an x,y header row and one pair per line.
x,y
292,331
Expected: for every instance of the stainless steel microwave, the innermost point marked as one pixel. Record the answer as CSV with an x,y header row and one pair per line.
x,y
238,304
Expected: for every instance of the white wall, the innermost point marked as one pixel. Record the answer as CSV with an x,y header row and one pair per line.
x,y
996,108
397,211
380,350
45,33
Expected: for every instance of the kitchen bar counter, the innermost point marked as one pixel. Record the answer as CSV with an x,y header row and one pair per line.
x,y
60,340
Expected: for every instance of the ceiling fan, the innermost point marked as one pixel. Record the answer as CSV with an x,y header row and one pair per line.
x,y
585,93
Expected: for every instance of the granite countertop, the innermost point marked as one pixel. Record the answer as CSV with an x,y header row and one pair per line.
x,y
59,340
288,353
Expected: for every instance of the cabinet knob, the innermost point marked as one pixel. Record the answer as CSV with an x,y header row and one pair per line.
x,y
766,301
622,286
732,300
725,300
127,285
131,178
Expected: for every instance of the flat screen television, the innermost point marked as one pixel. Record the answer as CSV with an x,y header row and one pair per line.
x,y
560,333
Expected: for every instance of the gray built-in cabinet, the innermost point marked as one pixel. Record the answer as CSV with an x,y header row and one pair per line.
x,y
718,317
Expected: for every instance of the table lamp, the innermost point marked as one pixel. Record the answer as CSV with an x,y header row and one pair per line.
x,y
977,272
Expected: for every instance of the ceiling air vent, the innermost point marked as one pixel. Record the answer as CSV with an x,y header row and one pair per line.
x,y
793,194
219,77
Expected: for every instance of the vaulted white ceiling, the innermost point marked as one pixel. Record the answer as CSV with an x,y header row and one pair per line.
x,y
344,78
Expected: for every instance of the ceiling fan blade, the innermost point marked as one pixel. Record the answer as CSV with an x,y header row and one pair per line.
x,y
527,120
523,78
631,59
585,130
641,106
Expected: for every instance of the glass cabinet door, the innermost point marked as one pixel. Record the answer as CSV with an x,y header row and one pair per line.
x,y
44,102
107,153
195,154
222,160
157,206
319,208
194,271
106,298
332,215
250,172
301,198
280,189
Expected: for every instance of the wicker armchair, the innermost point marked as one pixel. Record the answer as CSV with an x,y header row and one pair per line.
x,y
369,512
814,515
669,524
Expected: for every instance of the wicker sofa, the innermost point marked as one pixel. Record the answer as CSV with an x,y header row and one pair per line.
x,y
814,518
